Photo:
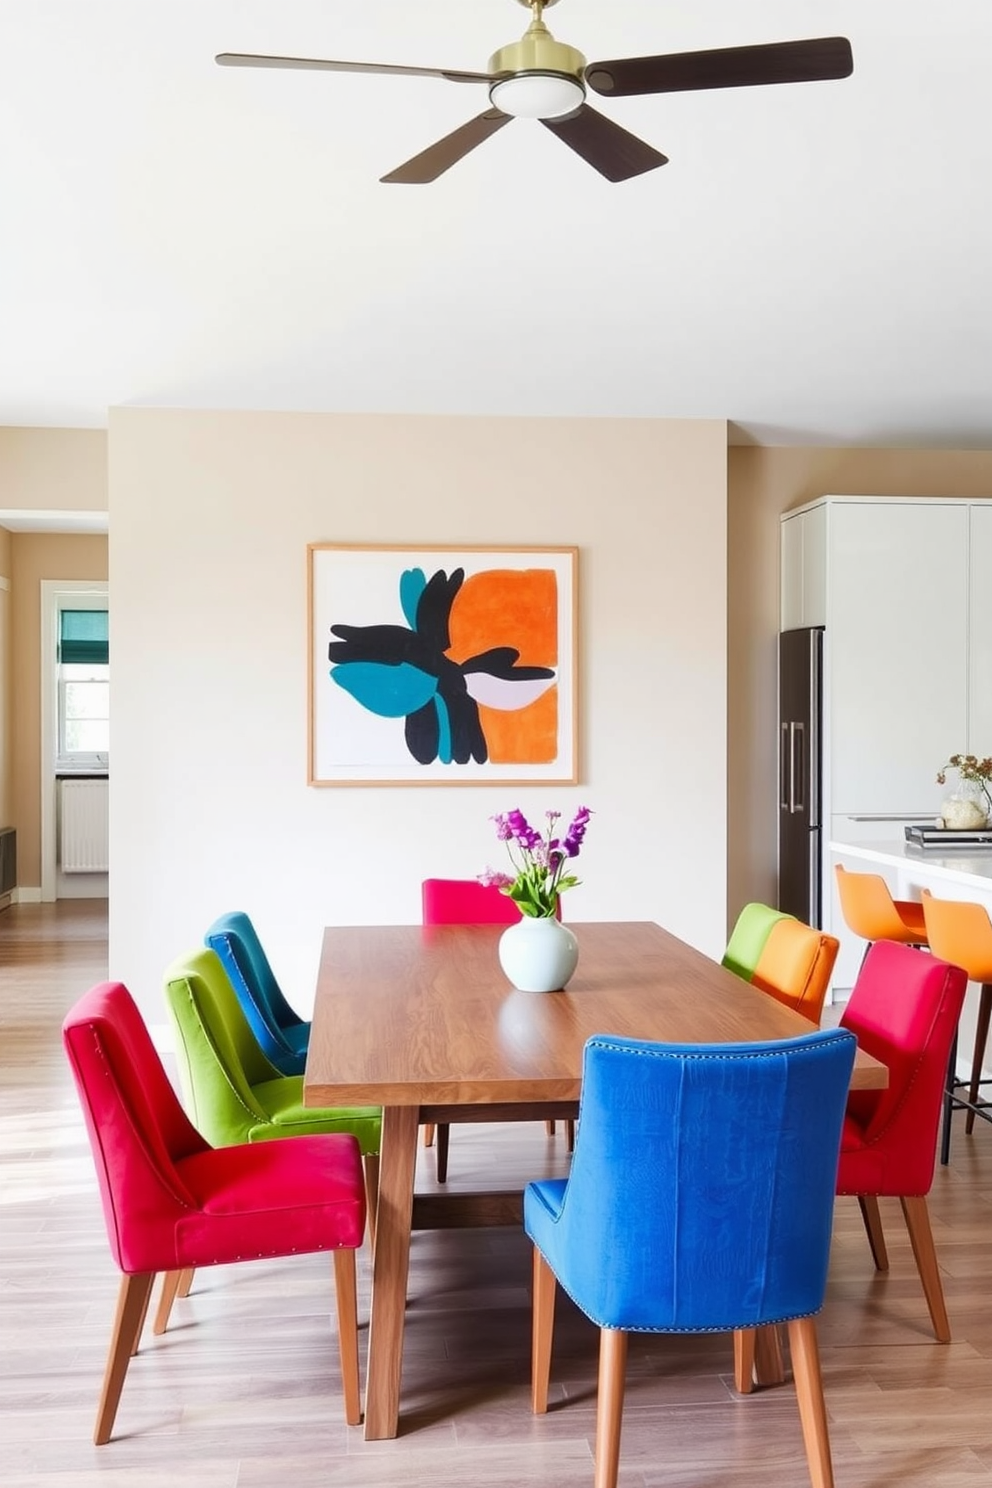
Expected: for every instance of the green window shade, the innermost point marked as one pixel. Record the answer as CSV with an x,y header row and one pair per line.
x,y
83,636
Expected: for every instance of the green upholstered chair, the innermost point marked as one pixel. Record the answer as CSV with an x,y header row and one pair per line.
x,y
791,961
231,1091
747,939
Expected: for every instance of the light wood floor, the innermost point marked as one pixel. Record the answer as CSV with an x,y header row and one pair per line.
x,y
243,1392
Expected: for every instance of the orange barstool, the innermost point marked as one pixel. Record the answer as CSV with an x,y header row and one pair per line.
x,y
961,933
870,911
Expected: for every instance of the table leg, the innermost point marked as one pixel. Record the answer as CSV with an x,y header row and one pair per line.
x,y
390,1270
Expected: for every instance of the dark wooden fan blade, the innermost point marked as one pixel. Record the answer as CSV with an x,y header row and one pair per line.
x,y
614,152
728,67
439,157
316,64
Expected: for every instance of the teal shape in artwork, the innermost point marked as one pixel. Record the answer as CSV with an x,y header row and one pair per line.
x,y
444,748
413,582
389,691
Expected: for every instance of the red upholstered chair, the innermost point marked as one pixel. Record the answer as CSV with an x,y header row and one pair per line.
x,y
465,901
904,1011
171,1201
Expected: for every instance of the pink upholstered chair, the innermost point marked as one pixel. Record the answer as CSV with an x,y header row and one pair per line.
x,y
172,1202
465,901
904,1011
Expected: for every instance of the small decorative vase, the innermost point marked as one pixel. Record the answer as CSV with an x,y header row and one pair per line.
x,y
965,808
538,955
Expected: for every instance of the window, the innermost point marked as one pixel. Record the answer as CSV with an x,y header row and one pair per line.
x,y
83,688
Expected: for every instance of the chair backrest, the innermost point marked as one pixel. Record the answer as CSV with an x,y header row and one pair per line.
x,y
702,1185
960,932
234,938
137,1128
747,939
465,901
867,905
904,1011
218,1056
795,966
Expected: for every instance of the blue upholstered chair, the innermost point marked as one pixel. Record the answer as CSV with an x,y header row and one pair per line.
x,y
700,1200
281,1033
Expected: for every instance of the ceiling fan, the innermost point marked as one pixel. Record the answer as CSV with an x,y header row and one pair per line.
x,y
544,79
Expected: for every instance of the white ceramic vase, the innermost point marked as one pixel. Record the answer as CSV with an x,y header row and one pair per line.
x,y
538,955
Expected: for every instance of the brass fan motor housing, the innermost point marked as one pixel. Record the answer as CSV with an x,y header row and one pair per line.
x,y
538,51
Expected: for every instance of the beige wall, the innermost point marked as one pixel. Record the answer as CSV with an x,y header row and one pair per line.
x,y
37,556
762,483
210,515
53,470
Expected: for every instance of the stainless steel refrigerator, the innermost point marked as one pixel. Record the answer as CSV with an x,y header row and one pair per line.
x,y
800,704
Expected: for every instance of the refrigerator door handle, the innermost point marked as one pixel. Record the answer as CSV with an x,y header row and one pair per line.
x,y
784,783
797,768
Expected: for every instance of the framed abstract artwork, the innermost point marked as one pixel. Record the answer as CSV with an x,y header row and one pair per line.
x,y
441,665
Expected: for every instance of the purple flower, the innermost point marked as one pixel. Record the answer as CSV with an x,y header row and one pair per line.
x,y
522,831
503,829
577,831
539,860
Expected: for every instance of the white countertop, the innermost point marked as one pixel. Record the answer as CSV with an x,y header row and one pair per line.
x,y
968,866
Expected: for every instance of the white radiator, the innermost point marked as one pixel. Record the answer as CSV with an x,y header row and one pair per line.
x,y
84,826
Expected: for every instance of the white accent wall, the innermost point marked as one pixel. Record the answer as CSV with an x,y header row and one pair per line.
x,y
210,515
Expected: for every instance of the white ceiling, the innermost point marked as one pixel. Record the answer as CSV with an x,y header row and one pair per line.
x,y
813,264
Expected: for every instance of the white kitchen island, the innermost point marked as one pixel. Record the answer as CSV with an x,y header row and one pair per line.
x,y
951,873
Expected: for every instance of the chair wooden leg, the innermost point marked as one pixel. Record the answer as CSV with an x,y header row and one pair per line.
x,y
917,1217
132,1304
346,1293
170,1289
981,1039
542,1331
809,1393
609,1405
186,1281
868,1204
141,1326
428,1134
443,1133
744,1360
371,1164
769,1367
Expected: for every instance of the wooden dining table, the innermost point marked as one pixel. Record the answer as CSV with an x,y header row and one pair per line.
x,y
422,1021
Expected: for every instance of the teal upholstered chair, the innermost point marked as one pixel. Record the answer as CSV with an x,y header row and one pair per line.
x,y
700,1201
280,1031
232,1092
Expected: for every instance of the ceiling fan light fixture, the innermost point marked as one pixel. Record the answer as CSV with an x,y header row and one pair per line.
x,y
537,95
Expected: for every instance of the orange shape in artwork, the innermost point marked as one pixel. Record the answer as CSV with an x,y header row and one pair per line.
x,y
518,608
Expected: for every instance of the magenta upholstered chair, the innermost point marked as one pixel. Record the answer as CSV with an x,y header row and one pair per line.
x,y
172,1202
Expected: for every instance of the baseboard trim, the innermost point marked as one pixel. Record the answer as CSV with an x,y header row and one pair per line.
x,y
26,896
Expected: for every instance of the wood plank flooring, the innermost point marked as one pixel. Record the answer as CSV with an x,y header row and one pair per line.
x,y
244,1391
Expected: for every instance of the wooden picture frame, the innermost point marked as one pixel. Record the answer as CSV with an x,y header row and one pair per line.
x,y
441,665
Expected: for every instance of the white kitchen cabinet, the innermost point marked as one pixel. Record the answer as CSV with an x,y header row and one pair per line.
x,y
903,588
895,652
804,570
980,633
